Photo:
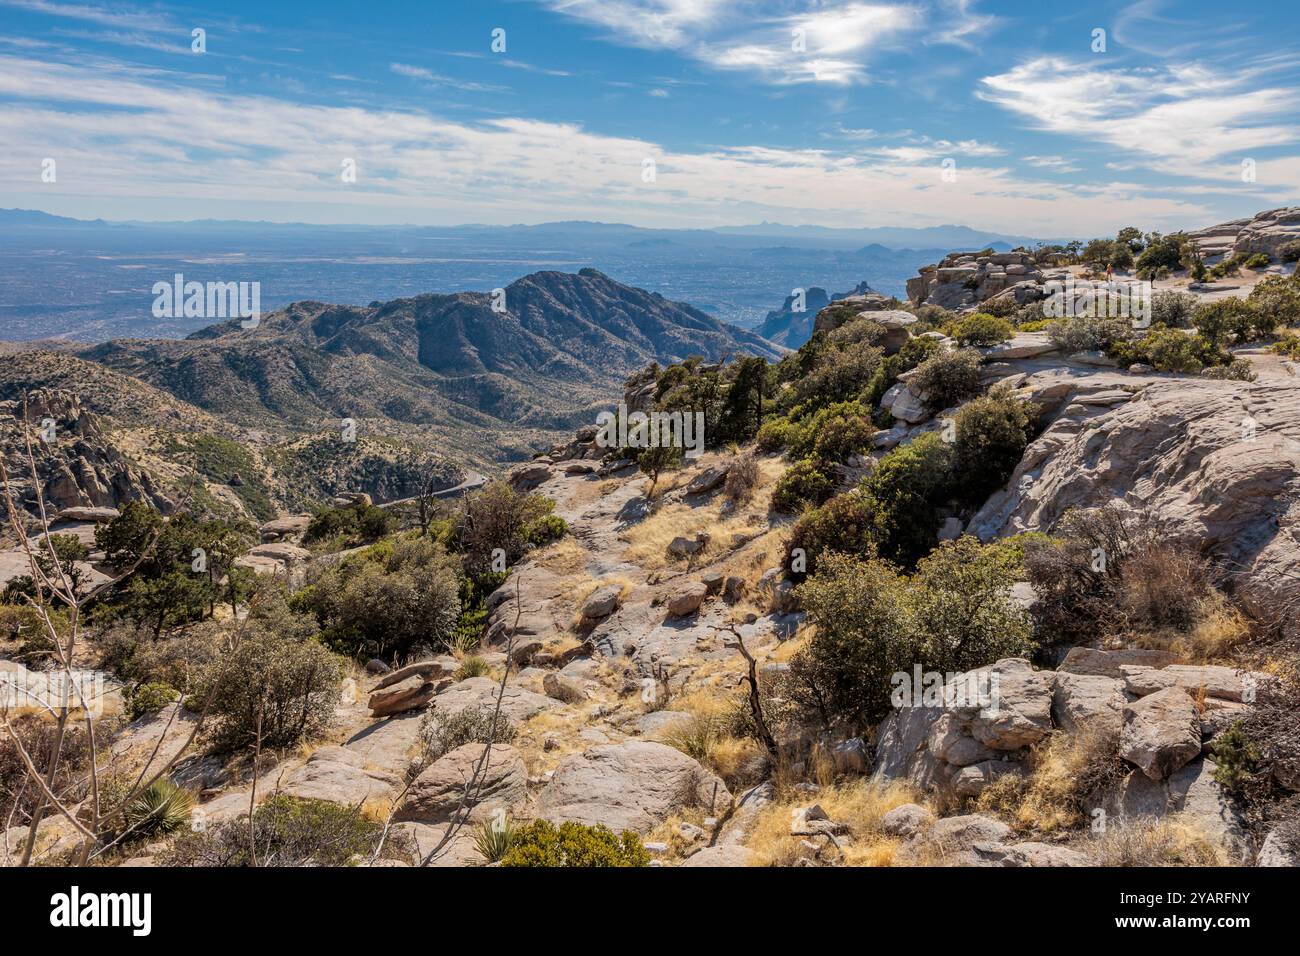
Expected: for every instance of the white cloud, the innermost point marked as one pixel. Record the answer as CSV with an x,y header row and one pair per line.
x,y
648,23
118,15
1182,119
125,135
437,79
830,42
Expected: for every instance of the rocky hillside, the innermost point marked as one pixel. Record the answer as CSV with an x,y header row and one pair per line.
x,y
485,385
946,588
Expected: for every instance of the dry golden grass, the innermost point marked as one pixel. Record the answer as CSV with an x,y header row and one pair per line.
x,y
860,805
565,556
1220,630
648,541
1063,769
1171,841
590,586
706,735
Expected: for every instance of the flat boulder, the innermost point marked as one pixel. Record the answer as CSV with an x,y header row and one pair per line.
x,y
707,480
687,600
446,785
630,786
516,703
1161,732
339,775
1090,660
563,688
1088,700
411,693
603,602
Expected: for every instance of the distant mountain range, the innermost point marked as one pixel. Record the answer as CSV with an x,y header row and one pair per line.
x,y
487,386
890,237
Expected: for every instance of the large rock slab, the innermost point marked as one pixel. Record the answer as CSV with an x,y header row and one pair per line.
x,y
1089,660
1161,732
1216,462
1224,683
1088,700
630,786
340,775
516,703
444,787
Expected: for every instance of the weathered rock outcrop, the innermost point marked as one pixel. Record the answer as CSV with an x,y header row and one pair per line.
x,y
1218,463
442,789
630,786
1266,232
965,279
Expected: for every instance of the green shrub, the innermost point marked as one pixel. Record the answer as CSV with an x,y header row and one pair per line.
x,y
1173,309
1289,251
838,376
280,684
351,526
955,614
834,433
388,600
151,698
288,831
1169,350
496,517
981,328
845,523
1086,333
1237,758
946,378
804,482
1035,325
1276,301
1288,345
541,843
865,633
907,488
991,434
914,351
1238,370
1224,320
964,608
542,531
775,434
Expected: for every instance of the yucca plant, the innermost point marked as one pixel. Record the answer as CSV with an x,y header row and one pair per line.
x,y
473,667
494,838
162,808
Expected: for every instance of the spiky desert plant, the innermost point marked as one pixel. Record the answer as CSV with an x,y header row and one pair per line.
x,y
162,808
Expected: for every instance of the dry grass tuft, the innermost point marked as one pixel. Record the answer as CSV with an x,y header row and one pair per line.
x,y
565,556
1167,842
860,805
1064,770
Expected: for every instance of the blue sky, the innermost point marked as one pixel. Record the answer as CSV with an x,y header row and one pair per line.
x,y
833,113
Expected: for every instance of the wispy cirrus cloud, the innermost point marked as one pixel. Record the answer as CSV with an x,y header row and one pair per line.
x,y
782,44
427,76
1179,118
118,15
119,133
